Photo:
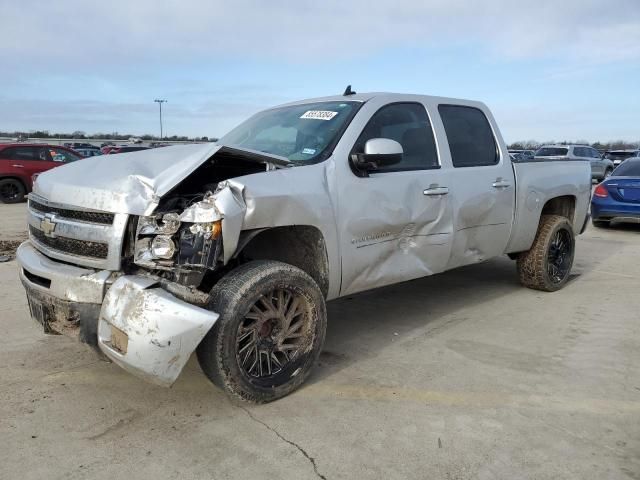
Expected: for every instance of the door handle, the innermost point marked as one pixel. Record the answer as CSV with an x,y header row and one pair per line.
x,y
436,190
18,166
499,183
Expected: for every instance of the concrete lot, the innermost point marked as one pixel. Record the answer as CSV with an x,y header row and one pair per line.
x,y
463,375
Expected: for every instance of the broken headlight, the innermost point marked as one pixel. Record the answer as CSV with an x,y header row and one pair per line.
x,y
164,242
168,224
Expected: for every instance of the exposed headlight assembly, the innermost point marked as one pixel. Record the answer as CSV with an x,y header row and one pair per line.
x,y
165,242
163,247
168,225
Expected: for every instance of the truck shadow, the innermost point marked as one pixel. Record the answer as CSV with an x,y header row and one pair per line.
x,y
360,326
623,227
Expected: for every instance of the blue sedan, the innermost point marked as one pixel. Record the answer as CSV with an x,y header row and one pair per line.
x,y
618,197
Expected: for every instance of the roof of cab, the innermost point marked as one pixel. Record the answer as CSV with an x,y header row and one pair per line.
x,y
389,96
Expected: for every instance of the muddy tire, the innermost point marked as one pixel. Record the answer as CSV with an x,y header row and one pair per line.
x,y
11,190
270,332
547,265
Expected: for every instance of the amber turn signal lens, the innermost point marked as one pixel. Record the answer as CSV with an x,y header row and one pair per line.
x,y
216,229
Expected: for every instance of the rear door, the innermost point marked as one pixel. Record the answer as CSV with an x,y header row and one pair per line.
x,y
482,182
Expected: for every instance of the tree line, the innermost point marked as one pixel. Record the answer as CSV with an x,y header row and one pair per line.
x,y
103,136
611,145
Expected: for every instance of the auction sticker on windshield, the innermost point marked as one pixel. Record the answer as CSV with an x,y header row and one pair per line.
x,y
319,114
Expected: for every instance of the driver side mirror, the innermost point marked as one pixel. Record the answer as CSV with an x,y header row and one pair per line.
x,y
378,152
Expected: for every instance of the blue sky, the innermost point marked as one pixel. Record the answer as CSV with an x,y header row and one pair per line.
x,y
549,70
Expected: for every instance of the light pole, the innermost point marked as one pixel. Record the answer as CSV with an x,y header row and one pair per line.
x,y
160,102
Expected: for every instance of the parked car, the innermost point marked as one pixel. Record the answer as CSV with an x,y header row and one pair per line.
x,y
523,154
19,162
107,148
88,152
125,149
77,145
601,168
618,197
619,156
233,248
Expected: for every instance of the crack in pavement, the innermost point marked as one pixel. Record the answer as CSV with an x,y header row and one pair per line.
x,y
293,444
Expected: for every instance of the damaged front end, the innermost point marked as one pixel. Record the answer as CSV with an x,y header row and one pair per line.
x,y
150,313
151,321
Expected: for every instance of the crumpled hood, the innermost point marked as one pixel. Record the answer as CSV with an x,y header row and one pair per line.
x,y
124,183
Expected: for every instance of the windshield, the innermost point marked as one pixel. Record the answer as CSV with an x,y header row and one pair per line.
x,y
630,168
551,152
300,133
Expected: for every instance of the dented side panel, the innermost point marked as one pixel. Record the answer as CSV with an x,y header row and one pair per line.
x,y
149,332
390,231
294,196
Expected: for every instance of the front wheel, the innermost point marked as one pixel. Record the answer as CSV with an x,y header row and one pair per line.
x,y
547,265
607,173
270,332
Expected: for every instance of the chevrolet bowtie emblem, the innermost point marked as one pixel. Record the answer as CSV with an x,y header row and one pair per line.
x,y
48,226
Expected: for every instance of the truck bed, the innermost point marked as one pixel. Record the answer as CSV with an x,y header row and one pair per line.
x,y
537,182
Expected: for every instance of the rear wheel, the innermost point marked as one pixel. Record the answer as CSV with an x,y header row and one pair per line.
x,y
270,332
547,265
11,190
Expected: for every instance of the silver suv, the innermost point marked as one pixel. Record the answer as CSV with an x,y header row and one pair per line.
x,y
601,168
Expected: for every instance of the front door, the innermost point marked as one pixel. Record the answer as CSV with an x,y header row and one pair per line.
x,y
482,184
395,223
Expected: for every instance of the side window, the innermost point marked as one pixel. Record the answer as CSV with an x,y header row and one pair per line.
x,y
595,154
8,153
60,155
471,140
21,153
407,124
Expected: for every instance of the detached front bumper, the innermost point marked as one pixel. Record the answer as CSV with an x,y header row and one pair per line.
x,y
148,331
135,322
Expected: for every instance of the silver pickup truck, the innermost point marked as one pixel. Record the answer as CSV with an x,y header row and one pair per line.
x,y
232,249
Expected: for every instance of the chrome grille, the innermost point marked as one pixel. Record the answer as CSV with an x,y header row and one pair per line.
x,y
75,235
69,245
85,216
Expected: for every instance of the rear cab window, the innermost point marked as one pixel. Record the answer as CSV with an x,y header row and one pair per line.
x,y
470,137
552,152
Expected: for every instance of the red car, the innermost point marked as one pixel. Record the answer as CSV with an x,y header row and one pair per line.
x,y
20,161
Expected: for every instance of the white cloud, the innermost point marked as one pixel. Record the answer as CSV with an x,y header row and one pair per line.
x,y
305,31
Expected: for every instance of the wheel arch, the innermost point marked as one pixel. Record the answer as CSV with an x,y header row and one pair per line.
x,y
302,246
19,179
564,205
